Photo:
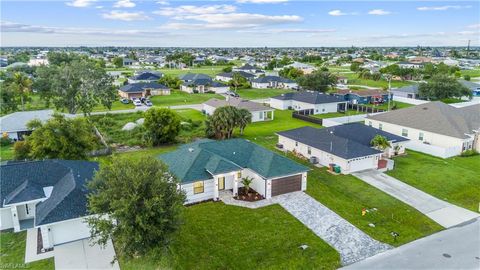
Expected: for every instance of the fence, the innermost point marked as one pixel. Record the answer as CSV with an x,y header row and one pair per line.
x,y
307,118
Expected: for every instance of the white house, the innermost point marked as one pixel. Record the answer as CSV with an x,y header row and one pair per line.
x,y
49,195
15,124
309,102
206,168
273,82
305,68
259,112
204,86
347,146
433,128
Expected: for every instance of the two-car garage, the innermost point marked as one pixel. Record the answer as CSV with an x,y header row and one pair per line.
x,y
286,184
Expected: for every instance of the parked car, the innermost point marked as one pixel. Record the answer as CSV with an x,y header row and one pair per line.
x,y
124,101
142,99
137,102
148,102
232,94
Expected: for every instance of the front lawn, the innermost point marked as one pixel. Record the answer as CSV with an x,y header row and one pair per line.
x,y
6,152
219,236
456,180
261,93
178,97
12,253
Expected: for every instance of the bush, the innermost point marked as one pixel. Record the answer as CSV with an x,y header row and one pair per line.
x,y
469,153
21,150
5,140
466,77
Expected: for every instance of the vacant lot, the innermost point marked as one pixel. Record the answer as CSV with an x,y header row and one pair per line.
x,y
218,236
455,180
178,97
12,250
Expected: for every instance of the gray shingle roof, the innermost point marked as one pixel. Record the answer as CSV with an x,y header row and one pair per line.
x,y
199,160
22,181
140,87
17,121
242,73
194,76
147,76
407,89
327,141
239,103
311,97
436,117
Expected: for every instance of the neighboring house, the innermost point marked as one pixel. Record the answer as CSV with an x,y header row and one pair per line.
x,y
305,68
228,76
49,195
273,82
189,77
409,91
347,146
474,87
259,112
145,77
128,62
434,128
249,69
405,64
207,167
309,102
15,124
366,96
204,86
138,90
342,80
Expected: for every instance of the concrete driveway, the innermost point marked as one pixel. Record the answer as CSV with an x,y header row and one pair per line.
x,y
352,244
442,212
80,255
455,248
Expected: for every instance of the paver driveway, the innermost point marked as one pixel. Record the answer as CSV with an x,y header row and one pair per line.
x,y
442,212
352,244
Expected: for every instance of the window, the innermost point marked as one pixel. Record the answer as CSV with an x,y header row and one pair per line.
x,y
404,132
370,123
296,143
380,126
221,183
309,150
420,136
239,175
260,115
198,187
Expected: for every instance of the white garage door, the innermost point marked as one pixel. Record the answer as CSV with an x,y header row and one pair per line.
x,y
69,231
363,164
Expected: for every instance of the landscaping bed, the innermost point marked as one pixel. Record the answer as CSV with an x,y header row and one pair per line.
x,y
251,196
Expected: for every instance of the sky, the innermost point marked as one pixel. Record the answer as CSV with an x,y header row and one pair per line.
x,y
239,23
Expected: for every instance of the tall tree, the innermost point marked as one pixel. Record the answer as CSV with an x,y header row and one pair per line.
x,y
224,120
61,138
442,86
162,126
291,73
318,81
21,86
238,81
244,118
135,202
118,62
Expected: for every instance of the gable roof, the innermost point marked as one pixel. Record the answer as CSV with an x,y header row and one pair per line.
x,y
407,89
17,121
200,160
311,97
140,87
327,141
25,180
146,76
208,82
242,73
436,117
362,93
239,103
194,76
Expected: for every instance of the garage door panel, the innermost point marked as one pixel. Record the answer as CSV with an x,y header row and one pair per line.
x,y
286,184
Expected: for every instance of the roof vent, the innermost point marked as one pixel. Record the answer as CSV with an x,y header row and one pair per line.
x,y
190,149
234,153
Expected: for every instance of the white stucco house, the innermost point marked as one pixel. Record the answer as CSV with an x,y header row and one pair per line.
x,y
15,124
206,167
309,102
48,195
347,146
273,82
433,128
259,112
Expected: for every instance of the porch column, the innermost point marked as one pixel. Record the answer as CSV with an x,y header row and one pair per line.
x,y
235,184
46,239
16,222
272,114
215,191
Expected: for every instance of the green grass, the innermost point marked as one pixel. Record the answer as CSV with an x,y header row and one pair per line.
x,y
472,72
117,105
353,79
6,152
455,180
209,70
393,104
337,114
12,250
219,236
261,93
178,97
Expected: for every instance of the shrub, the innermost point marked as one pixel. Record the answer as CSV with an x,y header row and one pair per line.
x,y
5,140
21,150
469,153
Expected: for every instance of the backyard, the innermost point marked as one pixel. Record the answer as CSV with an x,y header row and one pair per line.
x,y
440,177
178,97
265,238
12,250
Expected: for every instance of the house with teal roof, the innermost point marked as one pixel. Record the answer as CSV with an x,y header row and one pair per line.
x,y
207,167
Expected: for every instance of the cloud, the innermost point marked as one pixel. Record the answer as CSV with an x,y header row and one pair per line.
x,y
338,12
12,27
261,1
192,10
474,26
288,31
124,4
437,8
163,3
125,16
379,12
80,3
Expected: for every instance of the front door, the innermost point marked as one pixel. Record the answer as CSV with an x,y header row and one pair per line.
x,y
221,183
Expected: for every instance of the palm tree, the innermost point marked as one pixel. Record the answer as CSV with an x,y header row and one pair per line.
x,y
247,181
380,142
244,118
21,85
